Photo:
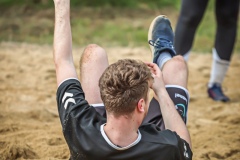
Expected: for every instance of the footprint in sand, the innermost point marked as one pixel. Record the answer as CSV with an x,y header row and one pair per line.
x,y
18,151
205,71
50,74
215,155
55,141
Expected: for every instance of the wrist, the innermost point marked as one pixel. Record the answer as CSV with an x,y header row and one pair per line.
x,y
62,5
62,12
160,91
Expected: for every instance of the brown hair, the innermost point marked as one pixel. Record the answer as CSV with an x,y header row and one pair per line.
x,y
123,84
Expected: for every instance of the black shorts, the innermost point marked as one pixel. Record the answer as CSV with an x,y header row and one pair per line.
x,y
179,96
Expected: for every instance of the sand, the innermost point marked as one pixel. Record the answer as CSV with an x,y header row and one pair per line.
x,y
30,126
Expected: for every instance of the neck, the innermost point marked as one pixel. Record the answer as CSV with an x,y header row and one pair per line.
x,y
121,130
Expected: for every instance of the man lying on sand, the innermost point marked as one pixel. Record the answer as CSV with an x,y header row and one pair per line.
x,y
108,114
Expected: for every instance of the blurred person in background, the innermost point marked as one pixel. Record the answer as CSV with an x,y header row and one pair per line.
x,y
191,15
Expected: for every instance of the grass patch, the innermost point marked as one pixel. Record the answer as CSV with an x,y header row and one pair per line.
x,y
93,3
107,26
110,32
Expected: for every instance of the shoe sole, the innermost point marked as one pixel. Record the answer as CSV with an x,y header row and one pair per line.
x,y
151,28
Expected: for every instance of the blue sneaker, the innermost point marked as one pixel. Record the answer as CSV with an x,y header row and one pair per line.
x,y
160,37
215,92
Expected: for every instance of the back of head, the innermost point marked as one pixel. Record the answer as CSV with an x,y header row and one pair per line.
x,y
123,84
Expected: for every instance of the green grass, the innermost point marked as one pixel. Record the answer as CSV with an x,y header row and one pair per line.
x,y
110,32
122,25
92,3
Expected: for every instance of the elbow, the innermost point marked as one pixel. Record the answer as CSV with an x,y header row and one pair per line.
x,y
62,62
56,60
60,59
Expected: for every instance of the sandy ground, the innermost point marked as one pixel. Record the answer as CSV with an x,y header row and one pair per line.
x,y
29,123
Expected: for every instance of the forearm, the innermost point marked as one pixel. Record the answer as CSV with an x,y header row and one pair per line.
x,y
63,42
171,117
62,32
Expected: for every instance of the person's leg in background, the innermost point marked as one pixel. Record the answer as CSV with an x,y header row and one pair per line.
x,y
226,16
93,63
190,16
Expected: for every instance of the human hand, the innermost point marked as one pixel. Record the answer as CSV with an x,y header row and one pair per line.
x,y
158,82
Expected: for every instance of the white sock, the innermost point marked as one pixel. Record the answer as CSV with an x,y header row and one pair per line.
x,y
186,56
163,58
219,69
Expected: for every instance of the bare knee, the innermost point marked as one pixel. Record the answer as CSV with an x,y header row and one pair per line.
x,y
179,64
179,59
175,72
92,52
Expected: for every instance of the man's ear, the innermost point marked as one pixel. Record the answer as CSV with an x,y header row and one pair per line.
x,y
141,105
